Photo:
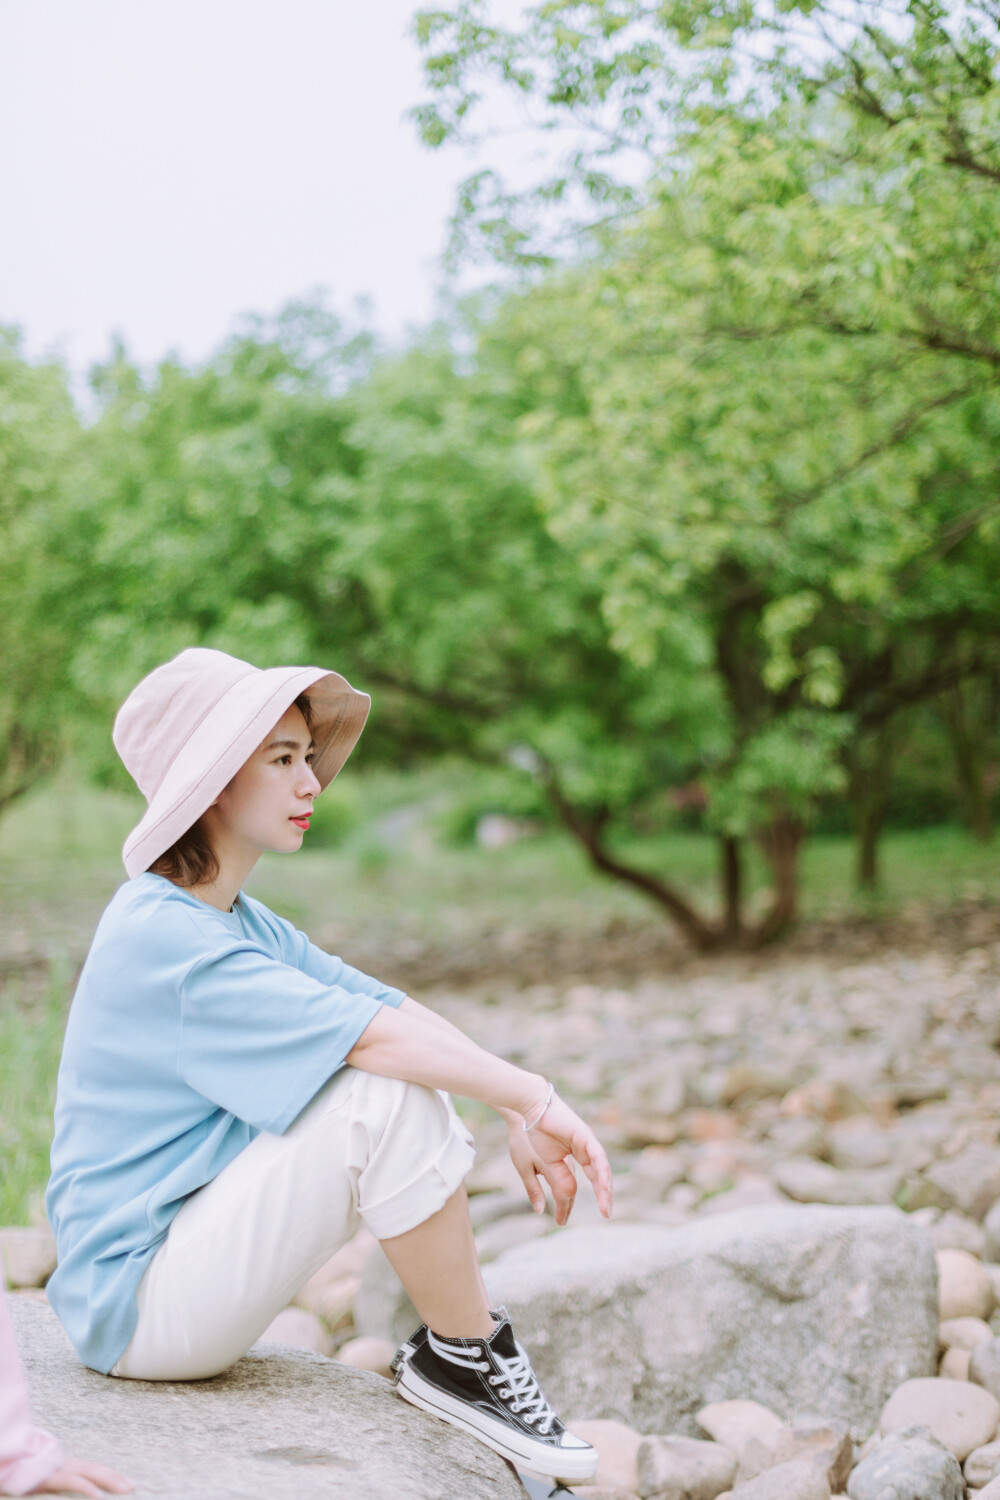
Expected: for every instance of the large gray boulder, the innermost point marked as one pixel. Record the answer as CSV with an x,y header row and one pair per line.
x,y
282,1423
808,1310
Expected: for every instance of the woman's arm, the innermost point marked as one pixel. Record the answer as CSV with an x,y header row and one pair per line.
x,y
403,1043
414,1043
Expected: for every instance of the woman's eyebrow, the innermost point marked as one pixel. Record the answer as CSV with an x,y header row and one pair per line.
x,y
288,745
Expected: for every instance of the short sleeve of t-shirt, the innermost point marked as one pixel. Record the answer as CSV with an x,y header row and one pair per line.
x,y
259,1038
296,949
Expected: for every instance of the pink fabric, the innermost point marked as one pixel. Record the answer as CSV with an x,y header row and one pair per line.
x,y
28,1455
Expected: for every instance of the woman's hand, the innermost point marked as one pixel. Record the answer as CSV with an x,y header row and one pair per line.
x,y
79,1477
548,1151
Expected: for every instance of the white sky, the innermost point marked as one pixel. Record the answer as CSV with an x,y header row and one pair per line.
x,y
165,167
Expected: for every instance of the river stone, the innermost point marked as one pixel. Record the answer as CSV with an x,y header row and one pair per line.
x,y
964,1333
27,1256
969,1181
810,1181
954,1364
300,1329
982,1465
617,1453
984,1367
368,1354
796,1480
648,1325
734,1423
960,1415
965,1288
991,1229
909,1465
826,1445
955,1231
682,1468
282,1423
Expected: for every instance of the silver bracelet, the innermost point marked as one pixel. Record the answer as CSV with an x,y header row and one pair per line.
x,y
545,1104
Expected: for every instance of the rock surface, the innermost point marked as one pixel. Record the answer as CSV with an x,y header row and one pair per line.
x,y
909,1465
282,1424
648,1325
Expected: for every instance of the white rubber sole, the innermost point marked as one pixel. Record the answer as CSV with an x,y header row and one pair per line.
x,y
570,1465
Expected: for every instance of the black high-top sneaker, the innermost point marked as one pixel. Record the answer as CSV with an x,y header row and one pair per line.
x,y
487,1387
407,1350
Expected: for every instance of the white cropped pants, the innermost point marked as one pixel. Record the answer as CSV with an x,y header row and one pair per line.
x,y
366,1148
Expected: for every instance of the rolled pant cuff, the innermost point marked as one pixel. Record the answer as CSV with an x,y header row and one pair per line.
x,y
427,1192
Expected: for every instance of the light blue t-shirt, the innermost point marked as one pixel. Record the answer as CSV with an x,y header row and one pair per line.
x,y
191,1031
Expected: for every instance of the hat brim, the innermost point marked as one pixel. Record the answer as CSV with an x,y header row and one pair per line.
x,y
227,737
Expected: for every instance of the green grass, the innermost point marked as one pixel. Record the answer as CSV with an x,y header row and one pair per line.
x,y
391,874
31,1034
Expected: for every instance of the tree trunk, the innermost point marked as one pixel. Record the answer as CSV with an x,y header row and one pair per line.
x,y
24,760
869,765
781,842
588,831
732,888
968,763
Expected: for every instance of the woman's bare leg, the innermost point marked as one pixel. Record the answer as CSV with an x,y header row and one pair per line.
x,y
438,1266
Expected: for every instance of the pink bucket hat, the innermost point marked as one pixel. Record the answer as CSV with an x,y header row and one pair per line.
x,y
188,727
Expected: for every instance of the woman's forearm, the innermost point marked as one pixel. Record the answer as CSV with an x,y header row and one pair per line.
x,y
405,1043
432,1018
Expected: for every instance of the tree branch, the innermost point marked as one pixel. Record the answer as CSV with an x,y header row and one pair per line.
x,y
588,831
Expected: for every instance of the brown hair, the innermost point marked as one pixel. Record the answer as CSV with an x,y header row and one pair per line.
x,y
191,860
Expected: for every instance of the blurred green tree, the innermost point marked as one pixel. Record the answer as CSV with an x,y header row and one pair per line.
x,y
785,333
39,436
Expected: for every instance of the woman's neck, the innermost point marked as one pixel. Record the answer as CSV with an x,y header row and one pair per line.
x,y
235,861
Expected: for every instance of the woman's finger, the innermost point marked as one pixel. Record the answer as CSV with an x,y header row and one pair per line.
x,y
562,1180
533,1188
592,1157
69,1481
78,1476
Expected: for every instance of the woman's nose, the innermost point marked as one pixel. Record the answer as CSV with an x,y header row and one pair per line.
x,y
309,785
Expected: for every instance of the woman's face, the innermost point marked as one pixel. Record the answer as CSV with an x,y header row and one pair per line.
x,y
268,803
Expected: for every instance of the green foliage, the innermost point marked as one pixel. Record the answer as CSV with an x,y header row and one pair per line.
x,y
511,795
39,573
336,815
770,398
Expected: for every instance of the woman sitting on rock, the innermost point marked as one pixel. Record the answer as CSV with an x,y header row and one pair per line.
x,y
233,1099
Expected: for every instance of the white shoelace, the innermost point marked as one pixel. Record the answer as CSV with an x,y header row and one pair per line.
x,y
523,1390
